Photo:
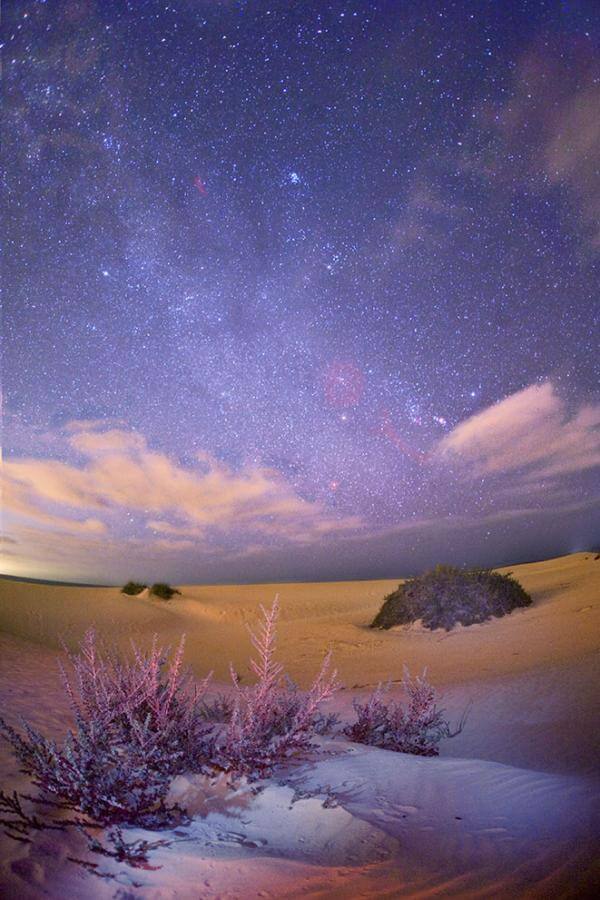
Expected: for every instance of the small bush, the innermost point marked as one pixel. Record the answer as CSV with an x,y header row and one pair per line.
x,y
133,587
416,728
219,709
271,720
137,724
162,590
140,722
446,596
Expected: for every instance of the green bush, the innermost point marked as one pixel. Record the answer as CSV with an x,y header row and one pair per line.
x,y
133,587
445,596
162,590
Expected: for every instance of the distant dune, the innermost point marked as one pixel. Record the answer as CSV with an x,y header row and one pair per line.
x,y
50,581
507,810
560,627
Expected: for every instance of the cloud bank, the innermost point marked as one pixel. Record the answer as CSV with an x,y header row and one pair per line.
x,y
113,500
531,430
118,472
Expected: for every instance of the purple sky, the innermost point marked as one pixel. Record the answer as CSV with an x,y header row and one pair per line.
x,y
299,291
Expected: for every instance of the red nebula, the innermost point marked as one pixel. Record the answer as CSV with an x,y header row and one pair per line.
x,y
389,431
344,384
199,184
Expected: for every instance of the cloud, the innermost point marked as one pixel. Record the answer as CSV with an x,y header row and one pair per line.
x,y
17,500
91,443
572,156
531,430
547,132
162,527
122,474
74,425
46,553
24,437
49,481
124,505
427,214
20,436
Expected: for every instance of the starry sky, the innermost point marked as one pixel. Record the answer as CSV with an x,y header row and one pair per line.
x,y
298,290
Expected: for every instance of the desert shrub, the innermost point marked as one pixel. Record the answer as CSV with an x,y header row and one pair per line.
x,y
217,709
270,721
220,709
445,596
137,724
162,590
133,587
291,700
418,727
19,823
140,721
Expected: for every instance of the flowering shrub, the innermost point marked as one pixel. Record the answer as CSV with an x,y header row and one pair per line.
x,y
271,721
292,699
218,709
137,723
140,721
416,728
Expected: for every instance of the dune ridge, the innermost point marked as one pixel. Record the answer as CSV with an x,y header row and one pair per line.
x,y
510,808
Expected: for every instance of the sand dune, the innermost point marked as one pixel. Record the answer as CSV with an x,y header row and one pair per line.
x,y
562,625
509,809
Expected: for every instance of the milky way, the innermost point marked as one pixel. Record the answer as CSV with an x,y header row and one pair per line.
x,y
313,241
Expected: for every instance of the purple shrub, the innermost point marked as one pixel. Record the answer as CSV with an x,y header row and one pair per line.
x,y
137,723
415,728
217,709
271,721
140,721
291,700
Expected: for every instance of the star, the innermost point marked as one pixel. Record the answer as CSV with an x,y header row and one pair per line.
x,y
268,237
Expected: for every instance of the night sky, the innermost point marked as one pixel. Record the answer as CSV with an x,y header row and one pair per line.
x,y
299,290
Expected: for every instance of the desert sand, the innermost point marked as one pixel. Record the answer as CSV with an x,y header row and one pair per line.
x,y
508,809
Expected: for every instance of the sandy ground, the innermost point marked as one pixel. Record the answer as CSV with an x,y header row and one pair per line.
x,y
509,809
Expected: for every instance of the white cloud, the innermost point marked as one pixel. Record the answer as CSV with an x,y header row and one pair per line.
x,y
121,473
531,430
547,130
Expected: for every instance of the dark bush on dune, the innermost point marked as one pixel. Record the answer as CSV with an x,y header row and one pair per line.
x,y
446,596
162,590
133,587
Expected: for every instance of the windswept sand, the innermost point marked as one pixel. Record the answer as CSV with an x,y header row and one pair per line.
x,y
509,809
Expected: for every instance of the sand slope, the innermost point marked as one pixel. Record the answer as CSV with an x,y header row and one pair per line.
x,y
563,624
509,809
